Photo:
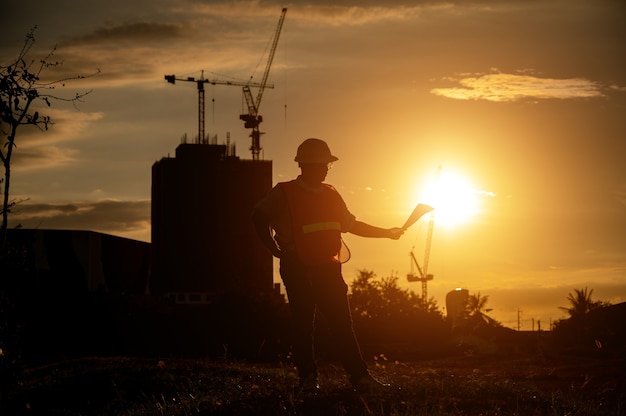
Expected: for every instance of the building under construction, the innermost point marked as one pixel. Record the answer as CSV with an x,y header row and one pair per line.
x,y
203,240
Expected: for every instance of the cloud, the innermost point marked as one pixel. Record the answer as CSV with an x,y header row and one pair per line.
x,y
325,13
513,87
334,15
132,32
123,218
42,157
38,149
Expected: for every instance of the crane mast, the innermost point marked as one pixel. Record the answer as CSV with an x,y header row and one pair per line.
x,y
420,277
431,225
200,83
252,119
423,275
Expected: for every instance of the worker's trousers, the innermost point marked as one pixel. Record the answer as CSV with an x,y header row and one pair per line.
x,y
323,288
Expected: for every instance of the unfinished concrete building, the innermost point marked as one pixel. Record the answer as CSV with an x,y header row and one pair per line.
x,y
203,240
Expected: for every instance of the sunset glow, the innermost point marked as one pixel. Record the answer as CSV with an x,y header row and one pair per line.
x,y
527,127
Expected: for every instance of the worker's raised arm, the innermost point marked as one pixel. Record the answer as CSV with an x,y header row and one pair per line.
x,y
363,229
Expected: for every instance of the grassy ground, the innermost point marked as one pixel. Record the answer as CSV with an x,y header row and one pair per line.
x,y
461,385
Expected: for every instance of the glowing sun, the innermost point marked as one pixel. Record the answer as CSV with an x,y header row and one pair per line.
x,y
453,197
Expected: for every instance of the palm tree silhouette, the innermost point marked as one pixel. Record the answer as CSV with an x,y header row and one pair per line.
x,y
476,305
580,303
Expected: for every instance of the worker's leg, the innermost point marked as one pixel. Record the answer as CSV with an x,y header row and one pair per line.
x,y
297,282
331,293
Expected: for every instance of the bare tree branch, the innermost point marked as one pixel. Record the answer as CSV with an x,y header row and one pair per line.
x,y
20,88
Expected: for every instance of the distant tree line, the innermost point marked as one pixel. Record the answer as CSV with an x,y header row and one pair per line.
x,y
386,314
383,312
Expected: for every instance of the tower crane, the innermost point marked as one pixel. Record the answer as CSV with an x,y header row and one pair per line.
x,y
200,82
423,275
252,119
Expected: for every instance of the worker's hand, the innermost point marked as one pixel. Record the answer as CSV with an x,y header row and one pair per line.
x,y
395,233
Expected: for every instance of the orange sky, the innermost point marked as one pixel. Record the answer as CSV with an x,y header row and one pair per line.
x,y
525,100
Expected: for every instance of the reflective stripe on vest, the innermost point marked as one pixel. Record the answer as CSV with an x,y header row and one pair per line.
x,y
321,226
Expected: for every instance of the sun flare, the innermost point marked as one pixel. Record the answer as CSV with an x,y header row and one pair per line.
x,y
453,197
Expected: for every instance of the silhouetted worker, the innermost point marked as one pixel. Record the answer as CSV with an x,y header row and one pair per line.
x,y
307,217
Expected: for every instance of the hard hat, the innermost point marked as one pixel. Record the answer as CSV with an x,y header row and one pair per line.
x,y
314,151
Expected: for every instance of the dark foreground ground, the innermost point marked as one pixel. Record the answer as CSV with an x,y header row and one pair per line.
x,y
567,384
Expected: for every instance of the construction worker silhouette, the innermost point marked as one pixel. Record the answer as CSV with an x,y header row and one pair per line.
x,y
301,222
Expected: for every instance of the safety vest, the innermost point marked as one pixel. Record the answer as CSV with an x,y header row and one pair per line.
x,y
316,222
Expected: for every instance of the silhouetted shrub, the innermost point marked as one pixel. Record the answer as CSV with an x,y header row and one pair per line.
x,y
385,314
601,328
